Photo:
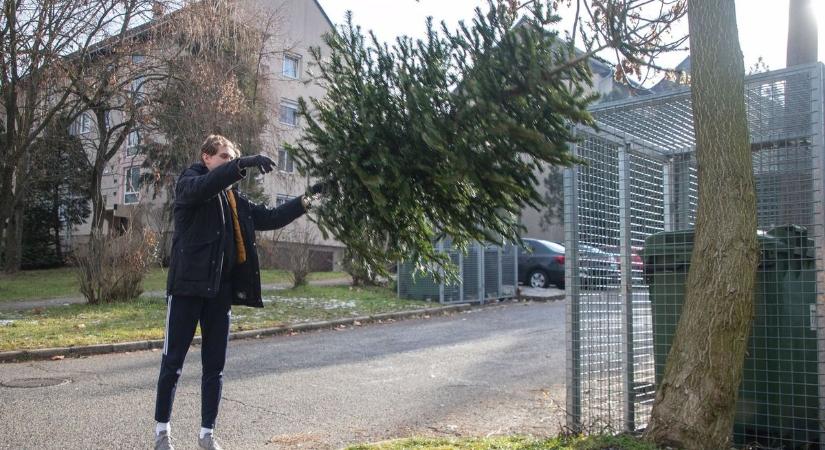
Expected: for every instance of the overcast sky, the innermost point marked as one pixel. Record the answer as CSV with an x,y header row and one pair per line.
x,y
763,24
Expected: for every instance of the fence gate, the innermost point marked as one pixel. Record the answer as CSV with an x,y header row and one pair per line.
x,y
486,272
640,180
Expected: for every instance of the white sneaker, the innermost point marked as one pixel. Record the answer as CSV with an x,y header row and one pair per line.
x,y
163,441
209,442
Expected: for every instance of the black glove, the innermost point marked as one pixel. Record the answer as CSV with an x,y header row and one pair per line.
x,y
264,163
320,188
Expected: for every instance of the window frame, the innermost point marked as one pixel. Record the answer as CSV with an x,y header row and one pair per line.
x,y
285,162
288,104
132,149
126,185
77,128
296,59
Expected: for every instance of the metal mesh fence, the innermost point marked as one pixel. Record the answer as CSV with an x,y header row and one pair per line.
x,y
629,214
487,272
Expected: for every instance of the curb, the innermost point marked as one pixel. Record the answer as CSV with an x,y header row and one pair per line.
x,y
551,298
99,349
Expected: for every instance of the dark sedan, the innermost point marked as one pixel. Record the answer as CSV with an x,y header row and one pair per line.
x,y
541,263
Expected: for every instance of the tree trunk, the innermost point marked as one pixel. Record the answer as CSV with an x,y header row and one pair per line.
x,y
98,202
58,249
14,241
695,403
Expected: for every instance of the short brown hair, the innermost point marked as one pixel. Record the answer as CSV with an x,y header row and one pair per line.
x,y
214,142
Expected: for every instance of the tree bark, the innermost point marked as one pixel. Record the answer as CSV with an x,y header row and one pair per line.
x,y
58,248
695,403
14,241
98,202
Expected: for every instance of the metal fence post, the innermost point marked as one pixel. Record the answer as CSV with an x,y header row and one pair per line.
x,y
818,150
515,270
667,190
499,272
461,272
481,285
571,281
441,283
626,292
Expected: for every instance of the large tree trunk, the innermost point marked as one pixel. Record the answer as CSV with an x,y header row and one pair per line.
x,y
98,202
14,241
58,247
695,403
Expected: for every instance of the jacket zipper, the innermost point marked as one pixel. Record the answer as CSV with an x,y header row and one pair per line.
x,y
220,264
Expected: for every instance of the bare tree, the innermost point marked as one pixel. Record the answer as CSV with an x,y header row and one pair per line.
x,y
111,90
217,82
42,43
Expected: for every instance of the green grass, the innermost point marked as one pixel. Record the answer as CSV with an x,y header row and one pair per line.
x,y
144,318
57,283
621,442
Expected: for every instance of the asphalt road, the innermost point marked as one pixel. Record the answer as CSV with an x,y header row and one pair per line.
x,y
495,370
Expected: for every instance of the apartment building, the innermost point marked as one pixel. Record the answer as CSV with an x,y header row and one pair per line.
x,y
301,25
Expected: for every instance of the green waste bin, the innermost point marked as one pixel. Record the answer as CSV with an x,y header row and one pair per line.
x,y
779,395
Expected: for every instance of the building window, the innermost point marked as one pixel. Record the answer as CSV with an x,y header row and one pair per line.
x,y
132,143
137,59
291,67
280,199
81,125
138,88
107,119
131,192
285,163
289,113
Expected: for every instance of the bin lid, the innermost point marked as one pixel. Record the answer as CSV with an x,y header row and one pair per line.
x,y
796,238
668,250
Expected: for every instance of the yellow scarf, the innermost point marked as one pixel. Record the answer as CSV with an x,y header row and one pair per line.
x,y
237,226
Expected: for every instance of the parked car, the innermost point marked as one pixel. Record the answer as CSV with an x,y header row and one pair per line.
x,y
541,263
598,268
636,263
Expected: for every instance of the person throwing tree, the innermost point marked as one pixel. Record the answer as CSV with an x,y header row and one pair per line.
x,y
214,265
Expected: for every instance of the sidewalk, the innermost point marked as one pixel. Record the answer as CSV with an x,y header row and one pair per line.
x,y
61,301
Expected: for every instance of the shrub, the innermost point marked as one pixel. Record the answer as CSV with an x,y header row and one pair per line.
x,y
111,267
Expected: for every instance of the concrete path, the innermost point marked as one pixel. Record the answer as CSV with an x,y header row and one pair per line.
x,y
493,370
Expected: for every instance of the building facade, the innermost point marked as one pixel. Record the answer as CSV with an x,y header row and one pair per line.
x,y
300,26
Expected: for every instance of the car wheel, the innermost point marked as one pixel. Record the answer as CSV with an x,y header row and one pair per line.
x,y
538,279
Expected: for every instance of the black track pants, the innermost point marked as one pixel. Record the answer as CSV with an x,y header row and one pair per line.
x,y
182,316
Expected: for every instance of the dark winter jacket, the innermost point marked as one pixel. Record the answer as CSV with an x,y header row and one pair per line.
x,y
202,237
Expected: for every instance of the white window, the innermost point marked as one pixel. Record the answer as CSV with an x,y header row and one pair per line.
x,y
280,199
285,163
81,125
138,88
291,67
132,143
289,113
131,191
107,119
